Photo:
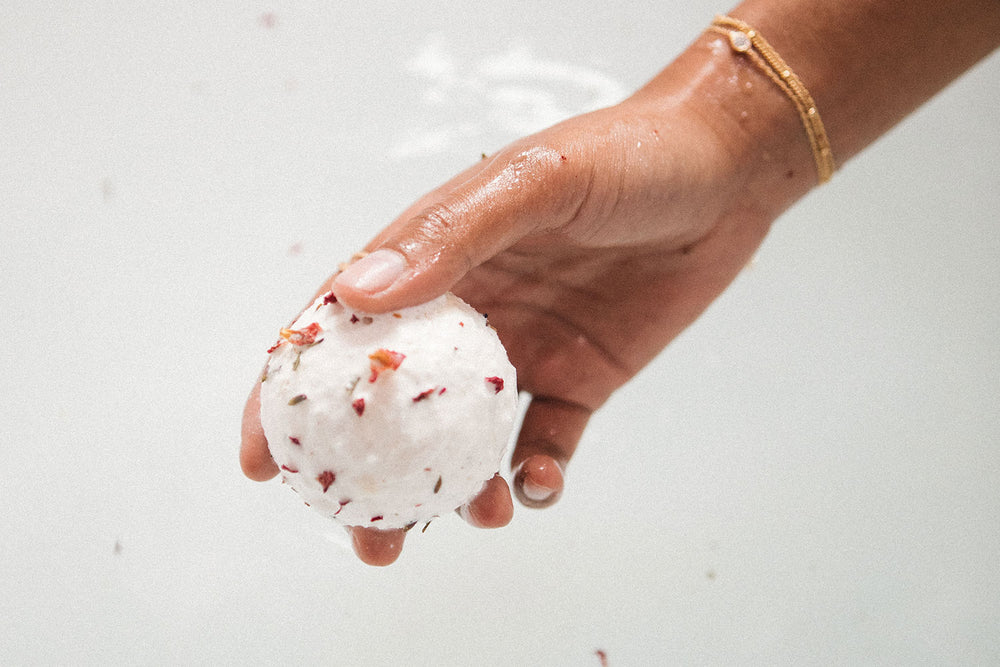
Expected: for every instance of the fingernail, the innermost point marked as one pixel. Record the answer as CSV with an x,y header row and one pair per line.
x,y
530,492
374,272
535,492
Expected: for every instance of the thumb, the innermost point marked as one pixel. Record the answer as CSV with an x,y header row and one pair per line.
x,y
480,213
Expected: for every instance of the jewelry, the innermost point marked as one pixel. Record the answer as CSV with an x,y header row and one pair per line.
x,y
748,42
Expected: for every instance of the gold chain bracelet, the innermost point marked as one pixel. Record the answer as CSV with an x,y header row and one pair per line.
x,y
746,41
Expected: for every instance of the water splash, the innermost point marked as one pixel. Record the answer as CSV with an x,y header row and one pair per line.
x,y
497,97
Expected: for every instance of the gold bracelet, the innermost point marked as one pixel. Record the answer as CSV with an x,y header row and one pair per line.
x,y
745,40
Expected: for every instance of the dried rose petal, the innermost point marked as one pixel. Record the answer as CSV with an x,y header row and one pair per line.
x,y
329,298
377,518
359,406
326,478
288,469
302,337
497,383
295,441
424,394
354,319
384,360
281,341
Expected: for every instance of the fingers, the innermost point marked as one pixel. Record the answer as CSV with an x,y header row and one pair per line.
x,y
424,253
492,508
377,547
255,457
549,435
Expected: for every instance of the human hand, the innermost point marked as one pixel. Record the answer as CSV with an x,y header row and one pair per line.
x,y
590,245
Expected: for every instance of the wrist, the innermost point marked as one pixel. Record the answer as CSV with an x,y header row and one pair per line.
x,y
762,152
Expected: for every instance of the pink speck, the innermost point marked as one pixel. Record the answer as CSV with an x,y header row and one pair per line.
x,y
295,441
268,20
359,406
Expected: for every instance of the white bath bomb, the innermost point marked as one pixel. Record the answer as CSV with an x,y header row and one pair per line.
x,y
388,420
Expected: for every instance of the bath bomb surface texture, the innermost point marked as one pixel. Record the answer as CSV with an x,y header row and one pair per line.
x,y
388,420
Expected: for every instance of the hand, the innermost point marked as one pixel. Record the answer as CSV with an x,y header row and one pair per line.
x,y
590,245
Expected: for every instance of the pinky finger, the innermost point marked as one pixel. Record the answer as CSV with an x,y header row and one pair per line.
x,y
549,435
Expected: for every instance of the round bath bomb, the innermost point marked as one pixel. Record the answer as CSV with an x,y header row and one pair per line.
x,y
392,419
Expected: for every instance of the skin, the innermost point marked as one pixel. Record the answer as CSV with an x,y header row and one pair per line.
x,y
594,243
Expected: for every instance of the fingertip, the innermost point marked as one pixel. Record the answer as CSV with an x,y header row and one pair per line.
x,y
493,507
255,456
376,547
366,283
538,481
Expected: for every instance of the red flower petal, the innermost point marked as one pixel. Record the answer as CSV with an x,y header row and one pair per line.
x,y
384,360
326,478
304,336
424,394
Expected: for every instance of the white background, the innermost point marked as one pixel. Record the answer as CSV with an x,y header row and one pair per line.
x,y
808,475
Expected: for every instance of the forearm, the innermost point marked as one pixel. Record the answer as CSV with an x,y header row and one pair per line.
x,y
866,63
869,63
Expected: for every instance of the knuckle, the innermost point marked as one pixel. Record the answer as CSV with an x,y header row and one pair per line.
x,y
436,232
